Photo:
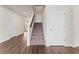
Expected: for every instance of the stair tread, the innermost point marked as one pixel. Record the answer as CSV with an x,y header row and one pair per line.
x,y
37,35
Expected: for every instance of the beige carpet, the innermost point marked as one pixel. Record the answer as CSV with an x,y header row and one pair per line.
x,y
37,35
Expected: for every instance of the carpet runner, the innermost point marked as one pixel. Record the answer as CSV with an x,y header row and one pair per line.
x,y
37,35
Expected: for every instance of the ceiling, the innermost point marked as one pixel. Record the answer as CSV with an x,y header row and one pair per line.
x,y
38,9
22,10
26,10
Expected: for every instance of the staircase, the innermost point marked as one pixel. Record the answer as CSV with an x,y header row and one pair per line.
x,y
37,35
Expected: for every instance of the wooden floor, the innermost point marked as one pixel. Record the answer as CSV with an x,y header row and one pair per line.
x,y
17,45
14,45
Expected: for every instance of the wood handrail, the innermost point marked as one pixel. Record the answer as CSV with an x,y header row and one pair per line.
x,y
32,20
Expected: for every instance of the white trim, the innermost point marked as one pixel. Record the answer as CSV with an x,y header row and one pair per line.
x,y
27,44
74,46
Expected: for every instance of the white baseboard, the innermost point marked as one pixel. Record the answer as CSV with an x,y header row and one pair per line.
x,y
63,45
53,45
76,45
68,45
47,45
27,44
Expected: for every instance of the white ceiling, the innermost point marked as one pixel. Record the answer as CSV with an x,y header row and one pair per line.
x,y
23,10
26,10
38,9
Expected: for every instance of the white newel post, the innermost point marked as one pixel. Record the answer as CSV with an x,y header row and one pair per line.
x,y
28,39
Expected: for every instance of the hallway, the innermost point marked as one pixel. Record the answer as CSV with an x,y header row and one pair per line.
x,y
39,29
37,35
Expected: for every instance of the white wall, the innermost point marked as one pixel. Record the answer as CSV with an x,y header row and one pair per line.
x,y
11,24
19,25
76,25
68,26
3,26
38,13
38,18
60,24
55,25
44,22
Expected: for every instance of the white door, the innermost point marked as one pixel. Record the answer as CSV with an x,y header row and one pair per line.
x,y
60,27
56,25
